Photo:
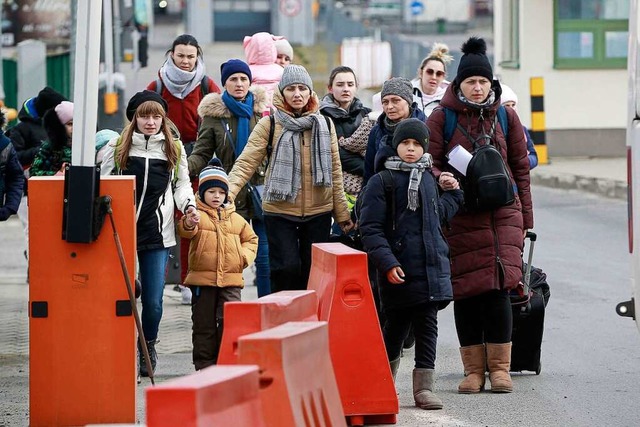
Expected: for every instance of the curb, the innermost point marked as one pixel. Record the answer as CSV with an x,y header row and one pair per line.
x,y
610,188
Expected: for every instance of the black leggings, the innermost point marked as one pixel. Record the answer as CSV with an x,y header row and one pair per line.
x,y
290,244
424,318
484,318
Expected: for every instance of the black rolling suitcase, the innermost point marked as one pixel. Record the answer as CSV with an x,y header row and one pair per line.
x,y
528,306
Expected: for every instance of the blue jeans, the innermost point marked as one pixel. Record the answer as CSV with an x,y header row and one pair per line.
x,y
152,263
263,272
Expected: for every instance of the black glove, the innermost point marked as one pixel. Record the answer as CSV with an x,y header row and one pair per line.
x,y
5,213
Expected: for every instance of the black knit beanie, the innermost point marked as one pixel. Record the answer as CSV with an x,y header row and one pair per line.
x,y
140,97
474,61
411,128
47,99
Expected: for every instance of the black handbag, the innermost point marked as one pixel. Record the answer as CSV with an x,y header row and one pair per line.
x,y
256,201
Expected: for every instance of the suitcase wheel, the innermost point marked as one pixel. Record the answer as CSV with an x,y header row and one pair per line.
x,y
539,368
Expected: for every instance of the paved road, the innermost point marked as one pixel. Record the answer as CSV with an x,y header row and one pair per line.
x,y
604,176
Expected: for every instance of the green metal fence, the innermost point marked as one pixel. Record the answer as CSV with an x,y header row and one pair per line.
x,y
59,73
58,77
10,75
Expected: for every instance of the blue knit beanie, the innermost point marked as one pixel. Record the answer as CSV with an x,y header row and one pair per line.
x,y
233,66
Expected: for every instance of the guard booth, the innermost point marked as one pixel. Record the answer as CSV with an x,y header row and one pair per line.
x,y
82,337
82,343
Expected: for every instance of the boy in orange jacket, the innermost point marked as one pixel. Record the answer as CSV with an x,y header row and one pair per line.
x,y
222,245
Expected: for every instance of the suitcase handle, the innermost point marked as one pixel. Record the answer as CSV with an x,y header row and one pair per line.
x,y
527,274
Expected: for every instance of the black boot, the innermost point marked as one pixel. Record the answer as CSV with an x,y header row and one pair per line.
x,y
138,288
153,356
410,339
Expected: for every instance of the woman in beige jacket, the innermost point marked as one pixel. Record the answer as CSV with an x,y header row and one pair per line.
x,y
303,184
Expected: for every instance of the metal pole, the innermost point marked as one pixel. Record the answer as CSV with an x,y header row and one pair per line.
x,y
2,95
108,43
132,298
117,35
85,94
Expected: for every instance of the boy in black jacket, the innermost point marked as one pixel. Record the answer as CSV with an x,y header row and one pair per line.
x,y
401,233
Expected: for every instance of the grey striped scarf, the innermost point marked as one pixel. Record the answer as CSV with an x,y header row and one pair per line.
x,y
179,82
285,174
416,170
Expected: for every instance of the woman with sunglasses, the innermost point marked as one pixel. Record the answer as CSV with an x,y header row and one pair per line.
x,y
430,85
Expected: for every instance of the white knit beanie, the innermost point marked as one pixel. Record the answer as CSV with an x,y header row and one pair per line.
x,y
64,111
508,95
283,47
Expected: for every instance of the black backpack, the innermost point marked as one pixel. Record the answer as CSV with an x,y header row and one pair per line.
x,y
487,184
390,198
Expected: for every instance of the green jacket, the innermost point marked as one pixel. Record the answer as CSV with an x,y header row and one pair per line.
x,y
214,139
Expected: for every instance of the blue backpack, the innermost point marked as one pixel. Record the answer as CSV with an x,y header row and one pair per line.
x,y
451,122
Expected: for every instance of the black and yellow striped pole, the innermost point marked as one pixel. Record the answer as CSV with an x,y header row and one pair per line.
x,y
538,126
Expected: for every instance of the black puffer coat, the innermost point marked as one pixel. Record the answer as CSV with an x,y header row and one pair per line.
x,y
27,136
417,243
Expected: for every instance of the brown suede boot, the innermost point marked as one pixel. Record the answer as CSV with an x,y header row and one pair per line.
x,y
474,361
499,362
423,395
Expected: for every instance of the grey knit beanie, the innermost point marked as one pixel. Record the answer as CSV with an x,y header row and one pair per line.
x,y
411,128
295,74
398,86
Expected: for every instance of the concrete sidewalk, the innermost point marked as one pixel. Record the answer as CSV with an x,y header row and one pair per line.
x,y
604,176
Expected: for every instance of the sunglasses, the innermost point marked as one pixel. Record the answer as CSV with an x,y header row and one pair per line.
x,y
431,72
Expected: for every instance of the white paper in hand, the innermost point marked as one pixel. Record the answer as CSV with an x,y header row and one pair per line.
x,y
459,158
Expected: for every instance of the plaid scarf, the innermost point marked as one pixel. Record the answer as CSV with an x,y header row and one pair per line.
x,y
285,166
416,170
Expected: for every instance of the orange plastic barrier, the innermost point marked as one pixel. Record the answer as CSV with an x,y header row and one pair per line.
x,y
339,276
297,383
247,317
82,343
215,396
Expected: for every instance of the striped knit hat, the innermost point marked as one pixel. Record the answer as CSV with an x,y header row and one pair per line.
x,y
213,176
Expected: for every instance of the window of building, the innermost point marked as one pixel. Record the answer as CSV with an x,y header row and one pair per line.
x,y
511,34
591,33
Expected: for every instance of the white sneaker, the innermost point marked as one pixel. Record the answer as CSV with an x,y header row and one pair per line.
x,y
186,295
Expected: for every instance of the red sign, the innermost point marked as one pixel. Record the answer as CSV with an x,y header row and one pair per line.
x,y
290,7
